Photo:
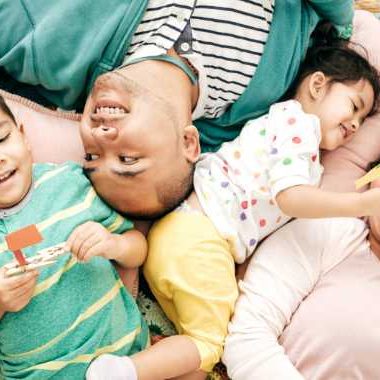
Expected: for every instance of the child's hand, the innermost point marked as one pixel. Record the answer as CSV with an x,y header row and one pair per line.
x,y
92,239
16,291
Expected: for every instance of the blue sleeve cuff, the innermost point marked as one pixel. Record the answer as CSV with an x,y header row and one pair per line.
x,y
344,31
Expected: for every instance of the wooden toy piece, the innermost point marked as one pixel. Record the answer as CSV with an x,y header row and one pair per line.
x,y
27,268
43,258
369,177
22,238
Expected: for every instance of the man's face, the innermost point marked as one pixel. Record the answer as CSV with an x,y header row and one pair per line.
x,y
132,144
15,163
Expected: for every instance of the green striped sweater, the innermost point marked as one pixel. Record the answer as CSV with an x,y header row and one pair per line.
x,y
78,311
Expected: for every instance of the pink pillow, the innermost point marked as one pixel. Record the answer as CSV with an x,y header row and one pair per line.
x,y
350,162
52,135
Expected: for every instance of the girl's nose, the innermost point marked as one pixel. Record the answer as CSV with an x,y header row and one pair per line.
x,y
105,133
355,125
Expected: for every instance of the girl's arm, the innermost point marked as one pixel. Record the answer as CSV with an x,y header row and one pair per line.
x,y
283,271
305,201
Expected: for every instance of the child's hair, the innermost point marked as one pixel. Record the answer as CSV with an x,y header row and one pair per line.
x,y
339,62
6,109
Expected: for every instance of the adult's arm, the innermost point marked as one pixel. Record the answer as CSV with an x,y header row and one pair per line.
x,y
283,271
339,12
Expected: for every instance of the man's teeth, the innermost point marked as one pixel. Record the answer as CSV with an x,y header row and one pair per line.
x,y
110,110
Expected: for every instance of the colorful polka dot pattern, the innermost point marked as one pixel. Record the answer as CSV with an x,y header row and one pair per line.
x,y
242,168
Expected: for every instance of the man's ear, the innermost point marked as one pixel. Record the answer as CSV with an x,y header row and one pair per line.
x,y
317,85
191,144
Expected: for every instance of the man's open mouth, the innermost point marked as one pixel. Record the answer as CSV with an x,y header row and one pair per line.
x,y
113,110
107,109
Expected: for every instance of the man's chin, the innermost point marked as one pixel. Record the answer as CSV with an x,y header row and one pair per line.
x,y
144,215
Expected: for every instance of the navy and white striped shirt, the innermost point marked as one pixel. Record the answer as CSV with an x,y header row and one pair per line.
x,y
224,40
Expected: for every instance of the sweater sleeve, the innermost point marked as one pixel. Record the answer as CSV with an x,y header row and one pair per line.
x,y
339,12
294,158
283,271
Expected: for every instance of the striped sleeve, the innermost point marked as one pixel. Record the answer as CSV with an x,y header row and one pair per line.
x,y
225,45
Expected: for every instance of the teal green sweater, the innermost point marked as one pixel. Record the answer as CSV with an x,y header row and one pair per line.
x,y
77,311
63,45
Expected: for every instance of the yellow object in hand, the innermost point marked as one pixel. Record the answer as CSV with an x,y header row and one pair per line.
x,y
369,177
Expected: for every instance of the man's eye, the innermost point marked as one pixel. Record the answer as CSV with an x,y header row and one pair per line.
x,y
91,157
127,159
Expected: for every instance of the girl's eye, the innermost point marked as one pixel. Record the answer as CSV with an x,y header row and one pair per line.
x,y
91,157
128,160
354,107
3,138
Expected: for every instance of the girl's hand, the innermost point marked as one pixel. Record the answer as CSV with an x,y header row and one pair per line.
x,y
16,291
92,239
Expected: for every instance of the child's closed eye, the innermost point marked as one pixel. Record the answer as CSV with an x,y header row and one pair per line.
x,y
5,137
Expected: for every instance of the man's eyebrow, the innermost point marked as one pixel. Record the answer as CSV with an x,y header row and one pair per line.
x,y
127,172
121,173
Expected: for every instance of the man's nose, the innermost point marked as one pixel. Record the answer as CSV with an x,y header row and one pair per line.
x,y
105,133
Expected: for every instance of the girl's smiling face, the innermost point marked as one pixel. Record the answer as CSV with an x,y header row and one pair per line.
x,y
342,111
341,107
